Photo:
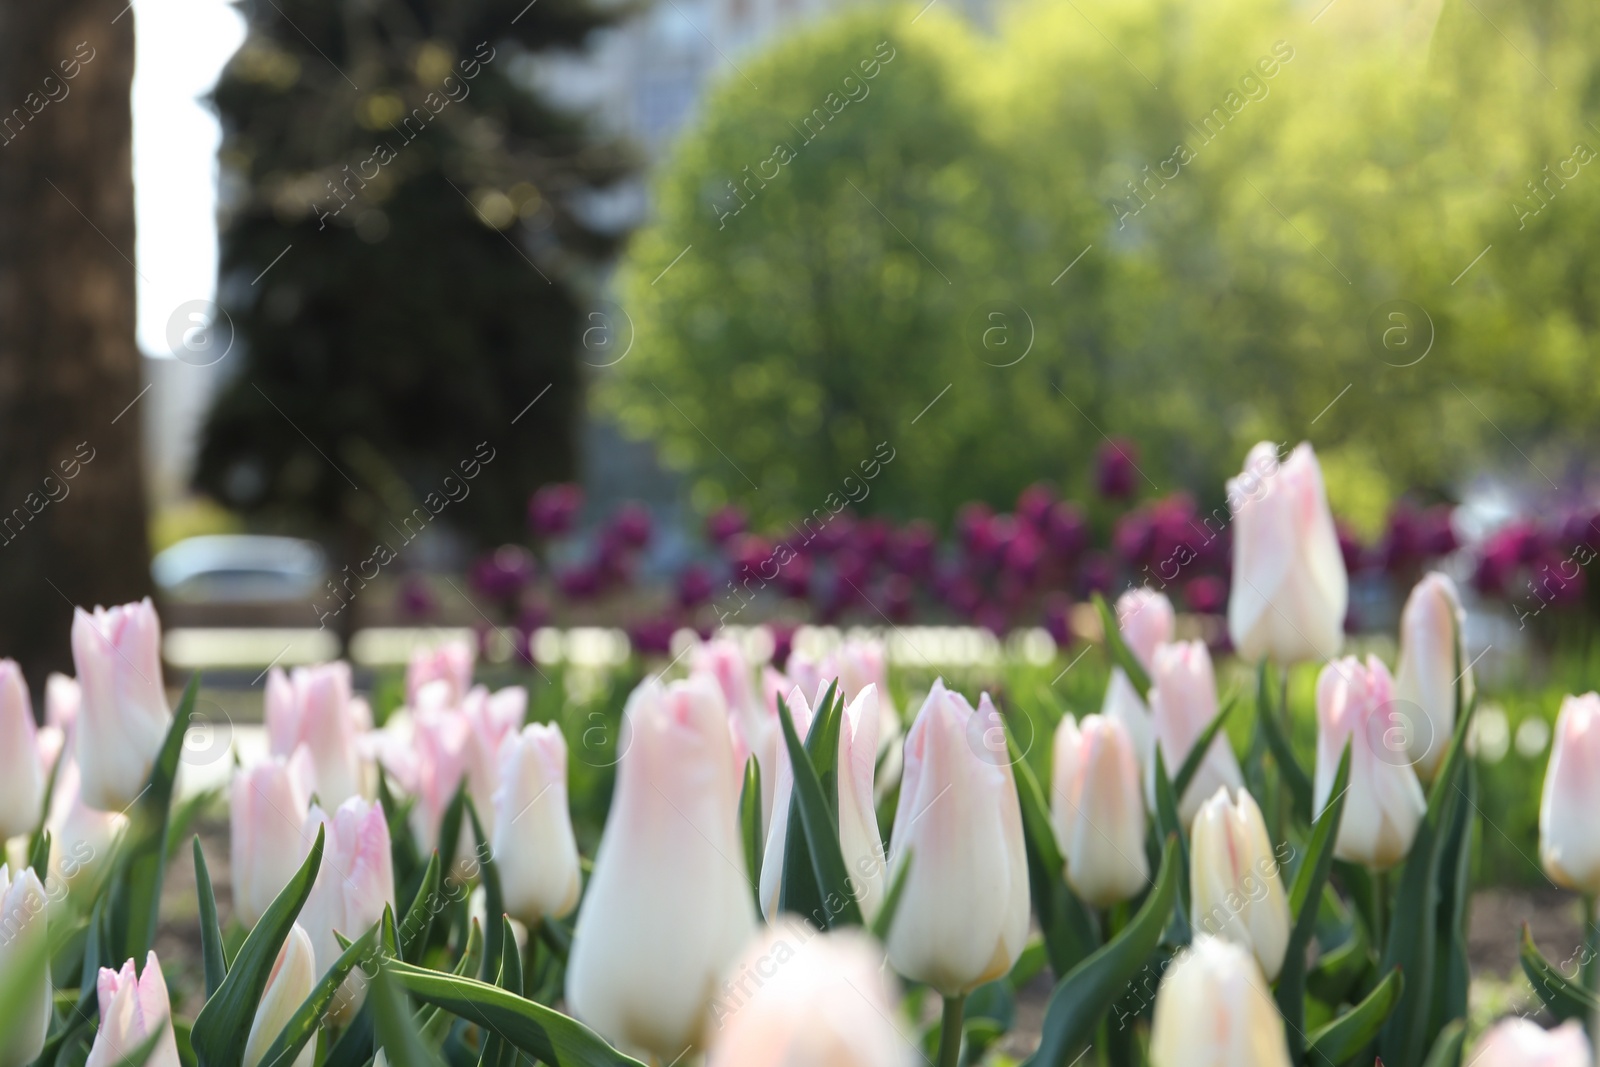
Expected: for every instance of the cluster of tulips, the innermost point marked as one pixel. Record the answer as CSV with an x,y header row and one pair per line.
x,y
414,894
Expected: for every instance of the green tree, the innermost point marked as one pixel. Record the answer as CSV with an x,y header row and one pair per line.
x,y
405,258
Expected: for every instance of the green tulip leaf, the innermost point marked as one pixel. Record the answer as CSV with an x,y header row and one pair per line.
x,y
1119,652
1305,901
223,1025
1566,999
812,815
541,1032
434,1021
302,1025
1413,933
1447,1049
1169,825
39,853
216,964
403,850
1202,745
140,864
398,1036
494,898
1069,931
418,922
1289,770
1081,1000
750,827
1340,971
1343,1038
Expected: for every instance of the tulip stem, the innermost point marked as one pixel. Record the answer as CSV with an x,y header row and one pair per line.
x,y
1380,907
1590,973
950,1031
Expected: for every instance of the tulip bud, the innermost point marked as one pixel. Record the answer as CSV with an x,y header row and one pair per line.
x,y
439,747
125,714
1290,590
1097,810
755,727
23,934
1183,701
313,707
858,821
1234,885
1146,620
132,1008
858,664
450,662
1384,802
1569,838
1122,703
21,776
491,718
963,915
81,837
62,699
668,906
289,984
1432,630
1214,1009
354,882
533,842
266,817
798,998
1518,1042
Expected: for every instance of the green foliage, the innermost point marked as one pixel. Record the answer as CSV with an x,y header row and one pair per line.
x,y
1248,190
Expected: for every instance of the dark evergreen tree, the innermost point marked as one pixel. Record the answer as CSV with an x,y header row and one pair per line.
x,y
405,260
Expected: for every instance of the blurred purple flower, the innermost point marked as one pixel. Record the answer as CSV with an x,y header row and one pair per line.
x,y
975,529
1096,574
1023,553
1350,548
871,538
726,522
1206,595
503,573
993,618
1133,538
897,598
553,509
1034,504
1115,467
579,583
653,637
632,524
782,642
911,549
1058,619
794,577
834,534
416,598
1438,531
695,583
1068,532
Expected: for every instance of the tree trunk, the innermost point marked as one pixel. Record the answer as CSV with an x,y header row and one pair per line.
x,y
72,509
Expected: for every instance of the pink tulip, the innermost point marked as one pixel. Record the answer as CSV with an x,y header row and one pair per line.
x,y
1146,620
62,699
439,750
81,837
21,773
1290,590
125,714
132,1008
492,719
963,916
1518,1042
533,841
293,975
1097,810
858,821
1432,629
1384,803
24,931
450,662
798,998
755,727
1122,703
354,882
313,707
266,819
1569,837
668,906
1183,701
